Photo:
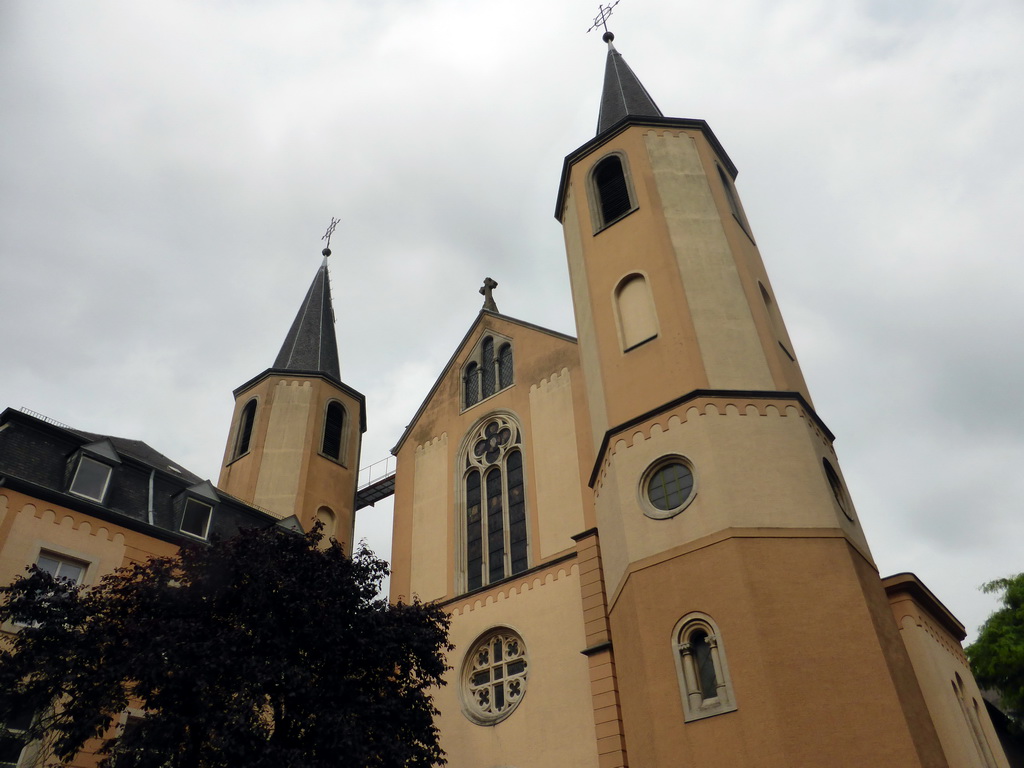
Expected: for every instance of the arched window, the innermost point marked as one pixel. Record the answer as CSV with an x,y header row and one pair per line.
x,y
701,668
842,499
495,504
734,203
635,308
494,676
611,189
471,385
505,366
487,366
485,372
334,428
970,713
245,424
326,516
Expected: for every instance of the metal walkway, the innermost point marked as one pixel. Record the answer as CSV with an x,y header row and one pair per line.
x,y
376,482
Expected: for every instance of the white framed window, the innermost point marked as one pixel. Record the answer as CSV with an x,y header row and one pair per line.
x,y
62,567
667,487
494,676
91,479
704,684
195,520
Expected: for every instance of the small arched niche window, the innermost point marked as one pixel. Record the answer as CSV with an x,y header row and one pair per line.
x,y
334,431
494,509
488,370
638,322
701,668
326,516
245,425
611,195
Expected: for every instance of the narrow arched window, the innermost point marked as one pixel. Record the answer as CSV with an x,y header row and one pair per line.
x,y
635,308
245,425
701,667
487,364
471,385
334,426
612,190
495,529
505,366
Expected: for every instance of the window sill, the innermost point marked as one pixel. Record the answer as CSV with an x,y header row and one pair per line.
x,y
602,227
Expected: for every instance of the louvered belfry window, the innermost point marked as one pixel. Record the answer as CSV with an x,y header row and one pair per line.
x,y
612,190
334,425
245,427
496,539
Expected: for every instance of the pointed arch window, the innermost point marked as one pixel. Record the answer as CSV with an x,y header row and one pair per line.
x,y
494,514
611,194
245,425
487,372
334,431
701,668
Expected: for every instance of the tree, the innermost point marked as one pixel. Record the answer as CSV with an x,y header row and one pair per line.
x,y
263,650
997,656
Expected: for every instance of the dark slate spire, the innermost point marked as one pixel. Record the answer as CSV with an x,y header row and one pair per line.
x,y
311,344
623,93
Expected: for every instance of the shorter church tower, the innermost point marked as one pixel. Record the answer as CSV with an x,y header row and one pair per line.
x,y
296,432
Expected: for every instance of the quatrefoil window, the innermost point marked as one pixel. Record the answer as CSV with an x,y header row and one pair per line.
x,y
494,677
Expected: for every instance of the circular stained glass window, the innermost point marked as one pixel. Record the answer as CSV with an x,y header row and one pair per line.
x,y
494,677
668,487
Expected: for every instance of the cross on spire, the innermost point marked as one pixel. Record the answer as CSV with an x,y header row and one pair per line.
x,y
327,235
601,20
488,286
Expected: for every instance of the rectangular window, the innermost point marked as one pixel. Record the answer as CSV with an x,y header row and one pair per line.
x,y
196,519
91,479
61,567
12,740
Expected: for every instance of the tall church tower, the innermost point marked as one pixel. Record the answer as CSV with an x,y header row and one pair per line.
x,y
296,433
726,535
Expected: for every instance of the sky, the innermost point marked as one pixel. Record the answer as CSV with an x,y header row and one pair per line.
x,y
167,170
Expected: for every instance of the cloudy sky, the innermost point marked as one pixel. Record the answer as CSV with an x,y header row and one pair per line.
x,y
167,170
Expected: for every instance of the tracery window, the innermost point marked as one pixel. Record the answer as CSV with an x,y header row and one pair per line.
x,y
494,676
487,372
701,667
495,504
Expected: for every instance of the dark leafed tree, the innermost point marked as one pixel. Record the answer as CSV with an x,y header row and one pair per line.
x,y
997,656
264,650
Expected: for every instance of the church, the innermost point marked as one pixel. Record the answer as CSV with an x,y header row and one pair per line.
x,y
642,533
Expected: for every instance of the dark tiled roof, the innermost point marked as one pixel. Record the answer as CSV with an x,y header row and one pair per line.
x,y
311,344
144,453
624,95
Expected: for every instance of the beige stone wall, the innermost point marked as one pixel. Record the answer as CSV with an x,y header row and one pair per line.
x,y
548,402
284,472
964,727
755,464
553,725
806,652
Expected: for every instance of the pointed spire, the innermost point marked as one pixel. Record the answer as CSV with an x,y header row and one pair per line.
x,y
311,344
623,94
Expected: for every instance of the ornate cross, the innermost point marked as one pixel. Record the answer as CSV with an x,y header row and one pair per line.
x,y
485,291
328,233
601,20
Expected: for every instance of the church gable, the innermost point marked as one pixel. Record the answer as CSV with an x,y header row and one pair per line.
x,y
490,473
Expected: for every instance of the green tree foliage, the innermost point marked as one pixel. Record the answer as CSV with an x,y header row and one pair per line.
x,y
997,656
264,650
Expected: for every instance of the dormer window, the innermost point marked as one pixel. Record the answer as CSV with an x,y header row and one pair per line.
x,y
489,370
91,479
195,521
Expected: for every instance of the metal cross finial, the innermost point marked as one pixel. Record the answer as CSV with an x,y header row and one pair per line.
x,y
328,233
601,20
485,291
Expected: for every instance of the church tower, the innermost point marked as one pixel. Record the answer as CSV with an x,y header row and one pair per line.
x,y
731,553
296,432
